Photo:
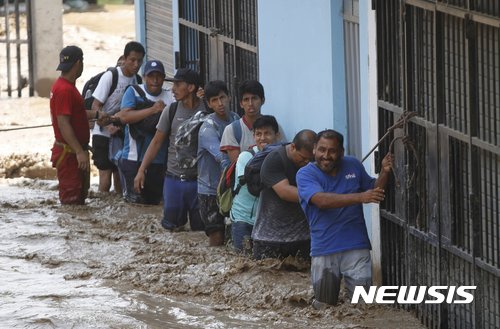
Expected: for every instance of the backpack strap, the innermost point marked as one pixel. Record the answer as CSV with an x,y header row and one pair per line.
x,y
237,130
138,78
171,114
241,180
141,93
139,90
114,81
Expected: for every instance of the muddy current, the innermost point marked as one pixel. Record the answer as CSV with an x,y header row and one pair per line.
x,y
110,264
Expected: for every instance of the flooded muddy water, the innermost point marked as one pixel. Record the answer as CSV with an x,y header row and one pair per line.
x,y
109,264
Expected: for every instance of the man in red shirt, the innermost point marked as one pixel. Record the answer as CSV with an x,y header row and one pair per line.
x,y
71,129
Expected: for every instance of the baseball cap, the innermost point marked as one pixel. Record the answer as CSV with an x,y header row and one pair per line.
x,y
154,66
187,75
68,56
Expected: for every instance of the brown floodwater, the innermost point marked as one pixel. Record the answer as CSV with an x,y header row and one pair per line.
x,y
109,264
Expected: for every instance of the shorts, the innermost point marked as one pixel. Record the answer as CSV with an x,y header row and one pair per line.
x,y
153,183
267,249
354,266
100,155
209,212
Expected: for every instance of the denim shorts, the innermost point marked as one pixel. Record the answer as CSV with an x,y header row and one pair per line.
x,y
180,202
241,233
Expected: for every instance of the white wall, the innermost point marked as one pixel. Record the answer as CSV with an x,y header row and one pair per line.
x,y
301,63
369,124
47,43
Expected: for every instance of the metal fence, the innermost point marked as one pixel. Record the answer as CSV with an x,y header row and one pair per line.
x,y
16,39
440,223
218,38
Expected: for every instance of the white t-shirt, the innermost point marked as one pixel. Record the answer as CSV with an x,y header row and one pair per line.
x,y
113,102
229,141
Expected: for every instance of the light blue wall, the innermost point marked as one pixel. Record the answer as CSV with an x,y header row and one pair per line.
x,y
366,142
140,19
301,63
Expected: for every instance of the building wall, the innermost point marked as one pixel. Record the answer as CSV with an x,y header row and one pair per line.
x,y
369,123
301,65
302,69
157,29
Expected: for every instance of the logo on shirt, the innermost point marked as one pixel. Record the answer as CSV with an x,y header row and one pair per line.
x,y
350,176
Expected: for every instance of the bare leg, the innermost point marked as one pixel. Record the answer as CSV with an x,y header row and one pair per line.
x,y
117,183
104,180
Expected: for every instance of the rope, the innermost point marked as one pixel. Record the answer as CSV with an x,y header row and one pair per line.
x,y
410,146
30,127
33,127
401,123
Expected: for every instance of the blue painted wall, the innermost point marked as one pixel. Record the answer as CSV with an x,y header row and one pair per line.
x,y
140,18
301,63
364,7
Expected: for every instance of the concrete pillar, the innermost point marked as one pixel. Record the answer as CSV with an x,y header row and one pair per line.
x,y
47,34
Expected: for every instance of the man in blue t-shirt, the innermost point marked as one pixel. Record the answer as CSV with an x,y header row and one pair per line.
x,y
332,191
137,106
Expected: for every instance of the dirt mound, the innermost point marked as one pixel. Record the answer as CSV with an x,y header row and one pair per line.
x,y
26,165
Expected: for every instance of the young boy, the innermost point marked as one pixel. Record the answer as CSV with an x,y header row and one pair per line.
x,y
102,132
238,136
211,161
244,208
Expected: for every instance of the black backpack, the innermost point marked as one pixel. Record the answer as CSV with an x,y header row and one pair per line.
x,y
140,129
91,85
252,169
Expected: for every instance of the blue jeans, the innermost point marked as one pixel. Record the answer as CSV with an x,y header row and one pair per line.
x,y
239,232
180,198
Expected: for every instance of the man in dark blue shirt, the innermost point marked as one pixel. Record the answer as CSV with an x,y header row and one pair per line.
x,y
332,191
